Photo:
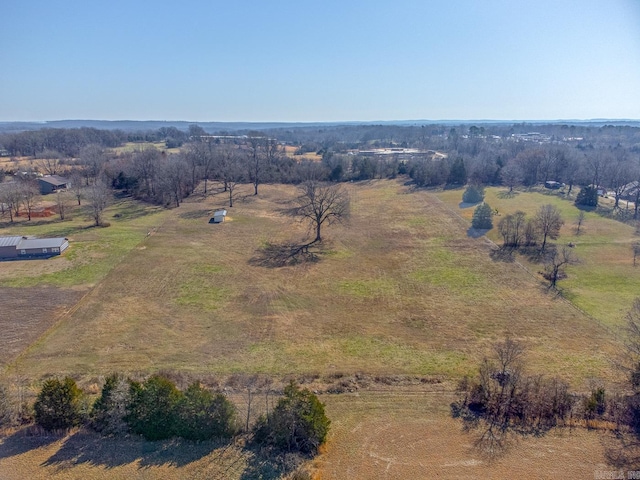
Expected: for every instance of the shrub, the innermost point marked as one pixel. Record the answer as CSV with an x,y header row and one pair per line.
x,y
588,197
203,415
5,406
59,404
110,409
482,217
297,423
152,410
473,194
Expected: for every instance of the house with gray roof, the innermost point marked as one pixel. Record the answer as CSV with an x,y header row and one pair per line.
x,y
52,183
30,247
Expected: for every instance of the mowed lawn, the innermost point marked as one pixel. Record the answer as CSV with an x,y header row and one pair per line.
x,y
604,282
402,289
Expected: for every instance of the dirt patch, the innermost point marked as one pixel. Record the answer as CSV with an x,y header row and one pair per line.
x,y
26,313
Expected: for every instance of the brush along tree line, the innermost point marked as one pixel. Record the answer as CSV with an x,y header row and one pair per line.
x,y
156,409
503,399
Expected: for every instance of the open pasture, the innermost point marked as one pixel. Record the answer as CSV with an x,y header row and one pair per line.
x,y
604,282
401,289
398,433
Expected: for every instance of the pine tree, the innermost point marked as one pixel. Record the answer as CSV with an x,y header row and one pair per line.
x,y
482,217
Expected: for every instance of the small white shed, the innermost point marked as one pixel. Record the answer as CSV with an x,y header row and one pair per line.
x,y
218,216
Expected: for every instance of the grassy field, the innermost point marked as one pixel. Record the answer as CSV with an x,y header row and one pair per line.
x,y
402,289
387,434
130,147
604,282
35,294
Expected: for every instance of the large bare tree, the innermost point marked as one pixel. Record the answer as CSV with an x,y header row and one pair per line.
x,y
321,203
548,221
98,197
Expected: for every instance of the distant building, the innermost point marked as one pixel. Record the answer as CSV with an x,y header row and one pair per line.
x,y
553,184
31,247
218,216
53,183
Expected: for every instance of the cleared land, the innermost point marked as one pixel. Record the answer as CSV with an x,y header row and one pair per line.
x,y
27,313
604,282
402,289
398,434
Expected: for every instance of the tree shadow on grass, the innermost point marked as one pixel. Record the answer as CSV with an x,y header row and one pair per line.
x,y
85,447
464,205
507,195
276,255
25,440
502,254
476,232
196,214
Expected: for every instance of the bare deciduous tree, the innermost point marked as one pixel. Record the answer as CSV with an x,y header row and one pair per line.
x,y
60,204
98,197
321,203
77,186
11,197
579,221
548,222
30,196
555,263
49,162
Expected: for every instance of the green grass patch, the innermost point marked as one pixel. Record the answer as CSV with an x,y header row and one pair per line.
x,y
92,252
369,288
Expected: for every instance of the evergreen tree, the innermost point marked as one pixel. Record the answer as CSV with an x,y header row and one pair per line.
x,y
110,409
297,423
153,409
59,404
203,415
457,173
482,217
588,196
473,194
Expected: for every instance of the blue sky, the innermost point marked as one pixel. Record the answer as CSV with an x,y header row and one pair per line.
x,y
319,60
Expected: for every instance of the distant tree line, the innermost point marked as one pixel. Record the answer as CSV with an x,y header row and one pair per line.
x,y
605,156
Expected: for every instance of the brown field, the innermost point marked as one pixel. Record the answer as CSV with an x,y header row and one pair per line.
x,y
290,152
399,434
402,289
28,312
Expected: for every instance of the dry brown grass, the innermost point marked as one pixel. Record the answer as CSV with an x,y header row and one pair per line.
x,y
29,312
402,290
397,433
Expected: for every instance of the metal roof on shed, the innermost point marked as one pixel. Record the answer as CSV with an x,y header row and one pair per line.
x,y
54,180
40,243
9,241
219,213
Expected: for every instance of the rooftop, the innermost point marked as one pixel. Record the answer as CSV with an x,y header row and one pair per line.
x,y
9,241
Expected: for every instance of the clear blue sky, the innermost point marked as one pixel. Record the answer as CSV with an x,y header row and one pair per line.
x,y
321,60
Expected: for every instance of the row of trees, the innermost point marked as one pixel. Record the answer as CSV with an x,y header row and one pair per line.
x,y
519,231
156,409
504,399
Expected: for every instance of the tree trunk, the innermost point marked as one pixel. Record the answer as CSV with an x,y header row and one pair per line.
x,y
318,238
